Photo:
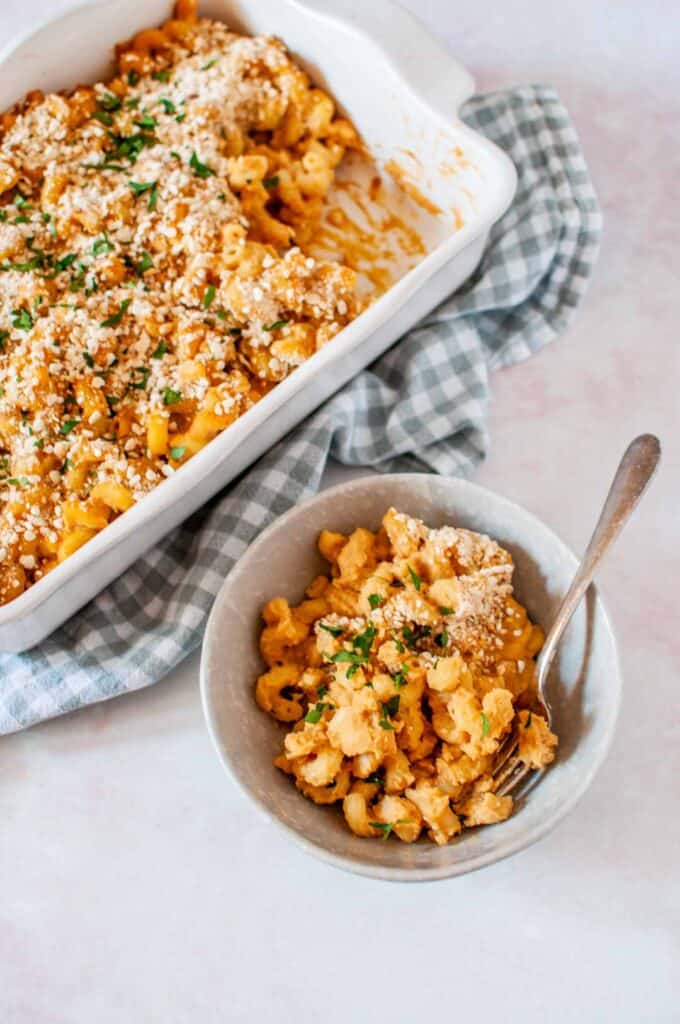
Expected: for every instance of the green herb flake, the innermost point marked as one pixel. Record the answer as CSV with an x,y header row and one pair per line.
x,y
101,246
168,106
160,351
109,102
486,725
209,296
275,326
178,452
140,187
144,264
22,319
161,76
385,828
314,714
442,639
333,630
210,64
103,117
88,359
271,182
415,579
445,611
147,122
200,169
113,321
65,466
375,600
67,426
171,397
143,374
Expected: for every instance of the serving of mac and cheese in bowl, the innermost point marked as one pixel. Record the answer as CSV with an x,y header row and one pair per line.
x,y
369,655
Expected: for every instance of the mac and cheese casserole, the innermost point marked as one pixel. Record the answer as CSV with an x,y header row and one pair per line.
x,y
155,280
400,675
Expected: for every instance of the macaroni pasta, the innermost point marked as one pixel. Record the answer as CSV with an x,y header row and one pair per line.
x,y
154,278
400,675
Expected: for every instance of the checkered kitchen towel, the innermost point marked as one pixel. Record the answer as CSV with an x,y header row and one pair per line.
x,y
422,406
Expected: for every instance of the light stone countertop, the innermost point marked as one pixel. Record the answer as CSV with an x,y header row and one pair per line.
x,y
137,884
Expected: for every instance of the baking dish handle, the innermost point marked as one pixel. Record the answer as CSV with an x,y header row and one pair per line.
x,y
433,73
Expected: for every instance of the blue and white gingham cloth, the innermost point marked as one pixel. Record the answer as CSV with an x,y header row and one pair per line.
x,y
422,406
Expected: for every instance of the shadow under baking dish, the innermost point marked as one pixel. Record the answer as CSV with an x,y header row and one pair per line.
x,y
585,684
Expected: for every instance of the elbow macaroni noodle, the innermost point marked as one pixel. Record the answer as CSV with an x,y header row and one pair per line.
x,y
400,675
154,279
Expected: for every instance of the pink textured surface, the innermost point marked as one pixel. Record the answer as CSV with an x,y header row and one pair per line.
x,y
138,885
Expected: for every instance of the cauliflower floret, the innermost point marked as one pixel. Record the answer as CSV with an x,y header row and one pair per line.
x,y
536,742
435,809
485,809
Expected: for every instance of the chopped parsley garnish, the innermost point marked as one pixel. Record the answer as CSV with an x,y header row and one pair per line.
x,y
200,169
67,426
209,296
275,326
143,373
161,349
363,641
314,714
65,466
170,396
22,319
18,481
178,452
442,639
103,117
144,264
161,76
101,245
109,102
333,630
140,187
210,64
409,637
399,677
168,106
146,121
384,827
391,706
180,118
88,359
355,661
113,321
22,219
375,600
39,443
65,262
445,611
400,647
271,182
486,725
3,215
321,692
128,147
133,77
415,578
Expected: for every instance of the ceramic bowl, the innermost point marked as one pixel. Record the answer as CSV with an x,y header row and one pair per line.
x,y
585,685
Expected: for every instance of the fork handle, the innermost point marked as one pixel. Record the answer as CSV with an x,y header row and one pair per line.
x,y
636,469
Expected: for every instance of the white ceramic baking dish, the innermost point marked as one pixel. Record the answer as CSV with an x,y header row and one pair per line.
x,y
403,91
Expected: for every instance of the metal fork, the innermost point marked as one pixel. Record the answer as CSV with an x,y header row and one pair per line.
x,y
635,471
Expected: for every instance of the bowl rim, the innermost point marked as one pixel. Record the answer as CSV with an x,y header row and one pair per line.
x,y
401,874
